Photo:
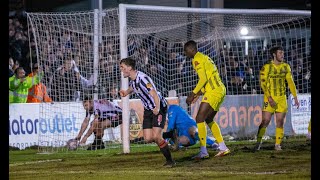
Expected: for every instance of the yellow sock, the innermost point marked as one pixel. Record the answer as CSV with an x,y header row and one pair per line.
x,y
202,132
309,127
216,131
279,135
261,132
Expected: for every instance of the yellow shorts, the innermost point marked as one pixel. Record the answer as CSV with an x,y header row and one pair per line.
x,y
281,104
215,98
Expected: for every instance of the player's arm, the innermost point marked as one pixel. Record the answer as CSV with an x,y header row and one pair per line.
x,y
156,99
292,86
196,97
124,93
84,126
199,67
264,73
90,130
171,120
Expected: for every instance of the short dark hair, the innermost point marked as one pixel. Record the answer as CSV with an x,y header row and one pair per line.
x,y
129,62
192,44
274,49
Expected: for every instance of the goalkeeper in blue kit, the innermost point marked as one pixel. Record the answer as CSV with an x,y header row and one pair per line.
x,y
182,129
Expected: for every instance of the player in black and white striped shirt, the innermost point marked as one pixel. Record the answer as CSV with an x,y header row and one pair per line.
x,y
155,106
106,114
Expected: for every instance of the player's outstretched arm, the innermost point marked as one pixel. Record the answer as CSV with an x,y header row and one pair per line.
x,y
84,126
85,137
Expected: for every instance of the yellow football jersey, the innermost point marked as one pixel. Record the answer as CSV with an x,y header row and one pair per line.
x,y
273,77
208,73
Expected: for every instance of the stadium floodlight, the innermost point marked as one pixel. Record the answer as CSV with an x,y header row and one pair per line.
x,y
155,35
244,31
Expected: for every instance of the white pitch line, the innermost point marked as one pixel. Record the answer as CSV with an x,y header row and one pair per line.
x,y
36,162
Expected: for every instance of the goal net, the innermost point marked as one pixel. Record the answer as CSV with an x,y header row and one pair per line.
x,y
238,40
79,55
92,43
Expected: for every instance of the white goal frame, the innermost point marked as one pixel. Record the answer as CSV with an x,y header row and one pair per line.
x,y
123,41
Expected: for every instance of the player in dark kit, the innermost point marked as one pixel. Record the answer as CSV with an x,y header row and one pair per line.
x,y
155,106
106,114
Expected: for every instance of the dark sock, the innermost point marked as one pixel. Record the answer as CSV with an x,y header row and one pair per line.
x,y
98,141
164,148
166,135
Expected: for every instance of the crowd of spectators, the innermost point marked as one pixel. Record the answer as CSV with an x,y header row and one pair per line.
x,y
66,59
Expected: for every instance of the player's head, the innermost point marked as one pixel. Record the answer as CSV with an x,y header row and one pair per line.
x,y
277,53
184,140
127,65
190,48
87,103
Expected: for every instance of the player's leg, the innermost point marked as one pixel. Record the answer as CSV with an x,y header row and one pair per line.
x,y
267,113
281,111
112,122
216,132
266,118
279,129
203,111
168,134
95,128
147,126
163,144
172,138
99,129
212,144
152,132
215,100
158,123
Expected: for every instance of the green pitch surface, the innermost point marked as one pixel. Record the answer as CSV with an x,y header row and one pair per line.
x,y
293,162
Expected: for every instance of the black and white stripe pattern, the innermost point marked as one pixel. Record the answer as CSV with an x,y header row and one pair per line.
x,y
141,86
105,109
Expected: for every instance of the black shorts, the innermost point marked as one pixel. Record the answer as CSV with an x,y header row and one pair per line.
x,y
115,121
150,120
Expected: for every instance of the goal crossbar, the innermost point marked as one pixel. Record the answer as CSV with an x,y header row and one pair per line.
x,y
213,10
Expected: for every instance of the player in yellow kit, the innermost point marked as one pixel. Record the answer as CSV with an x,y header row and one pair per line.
x,y
272,80
214,91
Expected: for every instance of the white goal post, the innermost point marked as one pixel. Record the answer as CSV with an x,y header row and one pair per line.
x,y
155,19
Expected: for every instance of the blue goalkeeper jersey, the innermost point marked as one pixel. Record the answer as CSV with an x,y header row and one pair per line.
x,y
180,120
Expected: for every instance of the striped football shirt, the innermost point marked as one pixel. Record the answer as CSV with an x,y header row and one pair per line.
x,y
142,85
105,109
